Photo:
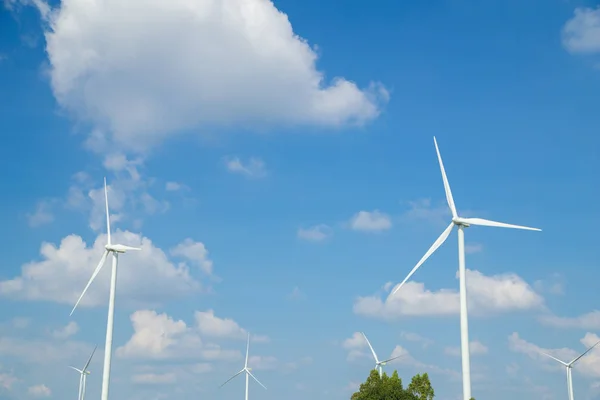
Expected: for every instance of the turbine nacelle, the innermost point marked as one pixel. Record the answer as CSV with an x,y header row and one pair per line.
x,y
458,221
120,248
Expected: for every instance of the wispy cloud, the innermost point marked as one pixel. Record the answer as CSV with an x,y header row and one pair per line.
x,y
253,168
370,221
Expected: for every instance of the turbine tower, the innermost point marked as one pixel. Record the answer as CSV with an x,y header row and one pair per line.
x,y
569,366
83,373
115,250
378,364
247,370
461,223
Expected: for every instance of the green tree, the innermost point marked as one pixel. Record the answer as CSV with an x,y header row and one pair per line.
x,y
382,388
420,386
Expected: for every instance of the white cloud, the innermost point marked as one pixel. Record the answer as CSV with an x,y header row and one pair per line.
x,y
374,221
296,294
39,391
475,348
67,331
589,365
174,186
317,233
355,345
254,168
210,325
414,337
472,248
212,64
7,380
42,215
554,284
581,34
195,252
423,209
154,379
487,294
144,276
589,320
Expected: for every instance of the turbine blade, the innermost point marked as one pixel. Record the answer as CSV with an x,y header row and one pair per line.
x,y
487,222
440,240
584,353
257,381
554,358
128,248
96,271
391,359
87,364
446,184
247,350
78,370
371,347
107,214
227,381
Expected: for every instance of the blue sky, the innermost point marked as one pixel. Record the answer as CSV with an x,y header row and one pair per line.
x,y
282,187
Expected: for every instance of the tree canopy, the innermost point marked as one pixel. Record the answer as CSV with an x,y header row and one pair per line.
x,y
390,388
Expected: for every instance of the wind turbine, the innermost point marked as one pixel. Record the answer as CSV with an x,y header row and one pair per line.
x,y
569,366
83,373
115,250
461,223
378,364
246,370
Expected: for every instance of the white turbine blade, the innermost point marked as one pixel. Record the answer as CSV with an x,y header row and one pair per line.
x,y
96,271
446,184
487,222
87,364
584,353
433,248
247,350
554,358
78,370
107,214
371,347
391,359
257,381
227,381
128,248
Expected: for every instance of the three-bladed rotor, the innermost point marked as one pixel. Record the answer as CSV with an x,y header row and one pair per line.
x,y
378,364
111,248
246,369
456,221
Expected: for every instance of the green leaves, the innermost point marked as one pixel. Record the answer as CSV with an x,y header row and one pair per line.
x,y
383,388
420,386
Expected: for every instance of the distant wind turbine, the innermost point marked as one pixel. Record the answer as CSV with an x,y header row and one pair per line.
x,y
378,364
247,370
83,373
461,223
115,250
569,366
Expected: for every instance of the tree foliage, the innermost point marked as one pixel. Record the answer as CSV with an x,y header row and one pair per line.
x,y
390,388
420,386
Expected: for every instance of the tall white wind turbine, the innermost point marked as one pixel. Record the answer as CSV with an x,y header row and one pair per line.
x,y
115,250
246,370
378,364
569,366
83,373
461,223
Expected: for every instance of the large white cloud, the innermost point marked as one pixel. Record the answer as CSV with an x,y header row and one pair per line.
x,y
61,275
498,293
142,69
581,34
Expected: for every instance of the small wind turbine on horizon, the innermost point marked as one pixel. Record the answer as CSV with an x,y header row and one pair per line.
x,y
115,250
569,366
378,364
83,373
247,370
461,223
